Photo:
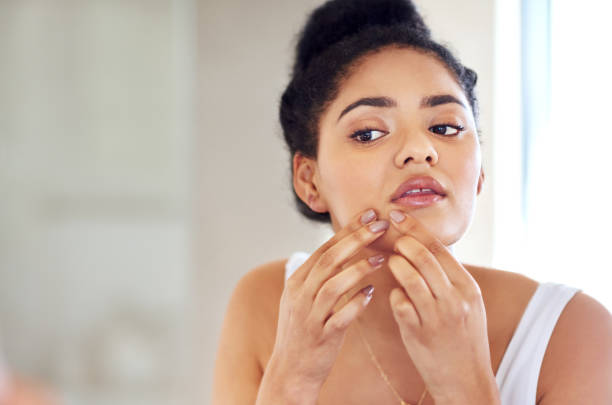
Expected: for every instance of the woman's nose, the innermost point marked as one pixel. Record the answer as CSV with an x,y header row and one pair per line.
x,y
417,148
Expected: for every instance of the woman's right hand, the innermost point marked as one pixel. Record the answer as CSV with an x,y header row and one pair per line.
x,y
310,333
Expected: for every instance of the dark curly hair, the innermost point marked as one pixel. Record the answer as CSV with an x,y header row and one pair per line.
x,y
336,37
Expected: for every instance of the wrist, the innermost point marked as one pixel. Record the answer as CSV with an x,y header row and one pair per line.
x,y
482,394
279,386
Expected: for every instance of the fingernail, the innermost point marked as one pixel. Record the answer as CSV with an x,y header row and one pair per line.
x,y
375,261
368,291
379,226
397,216
368,217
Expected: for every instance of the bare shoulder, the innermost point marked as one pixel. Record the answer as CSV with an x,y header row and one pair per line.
x,y
500,288
494,275
247,334
577,365
260,290
264,283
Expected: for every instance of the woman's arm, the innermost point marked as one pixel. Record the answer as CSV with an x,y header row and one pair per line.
x,y
577,365
250,315
308,330
245,373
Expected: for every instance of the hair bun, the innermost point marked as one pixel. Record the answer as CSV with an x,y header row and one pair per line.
x,y
337,19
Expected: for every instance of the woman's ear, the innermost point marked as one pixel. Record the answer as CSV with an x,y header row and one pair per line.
x,y
305,183
481,179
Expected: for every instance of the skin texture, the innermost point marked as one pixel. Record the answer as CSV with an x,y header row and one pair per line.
x,y
431,321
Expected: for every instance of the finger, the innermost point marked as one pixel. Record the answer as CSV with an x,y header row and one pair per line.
x,y
357,222
425,263
414,286
408,225
404,311
331,261
340,320
336,287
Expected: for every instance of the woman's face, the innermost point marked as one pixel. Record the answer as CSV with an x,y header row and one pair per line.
x,y
411,133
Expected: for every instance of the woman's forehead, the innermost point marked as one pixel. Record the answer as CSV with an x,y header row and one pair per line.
x,y
403,74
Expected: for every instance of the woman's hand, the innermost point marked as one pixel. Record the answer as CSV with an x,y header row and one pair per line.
x,y
310,333
441,317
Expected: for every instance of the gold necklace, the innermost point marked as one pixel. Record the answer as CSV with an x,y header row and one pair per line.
x,y
380,370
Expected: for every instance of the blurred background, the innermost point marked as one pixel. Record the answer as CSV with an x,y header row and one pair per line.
x,y
142,173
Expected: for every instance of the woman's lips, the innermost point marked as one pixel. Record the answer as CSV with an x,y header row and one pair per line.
x,y
418,200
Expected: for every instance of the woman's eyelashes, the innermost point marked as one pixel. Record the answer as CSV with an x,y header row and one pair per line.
x,y
368,135
447,129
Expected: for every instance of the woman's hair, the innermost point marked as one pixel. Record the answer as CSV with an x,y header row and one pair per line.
x,y
334,40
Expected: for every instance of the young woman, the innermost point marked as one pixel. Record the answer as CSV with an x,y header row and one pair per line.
x,y
381,124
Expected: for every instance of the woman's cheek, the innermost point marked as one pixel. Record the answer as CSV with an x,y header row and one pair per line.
x,y
352,188
465,195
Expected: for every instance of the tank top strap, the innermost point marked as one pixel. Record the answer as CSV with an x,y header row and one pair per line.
x,y
519,370
295,260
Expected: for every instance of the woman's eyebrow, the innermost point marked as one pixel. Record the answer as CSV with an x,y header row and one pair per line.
x,y
433,101
430,101
369,101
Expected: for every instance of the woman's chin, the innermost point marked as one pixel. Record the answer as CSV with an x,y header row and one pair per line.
x,y
385,243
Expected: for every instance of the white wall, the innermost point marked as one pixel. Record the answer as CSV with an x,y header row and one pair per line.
x,y
94,207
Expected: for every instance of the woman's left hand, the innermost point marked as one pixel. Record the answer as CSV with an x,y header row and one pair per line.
x,y
441,317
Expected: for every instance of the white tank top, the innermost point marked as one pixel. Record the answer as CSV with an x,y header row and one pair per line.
x,y
519,370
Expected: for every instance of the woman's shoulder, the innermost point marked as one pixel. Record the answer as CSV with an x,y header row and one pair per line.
x,y
263,286
272,271
491,274
248,332
506,295
260,290
503,286
580,344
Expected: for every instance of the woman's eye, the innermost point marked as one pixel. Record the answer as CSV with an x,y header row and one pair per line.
x,y
446,129
367,135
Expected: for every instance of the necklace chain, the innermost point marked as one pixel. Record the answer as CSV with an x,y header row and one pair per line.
x,y
380,370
